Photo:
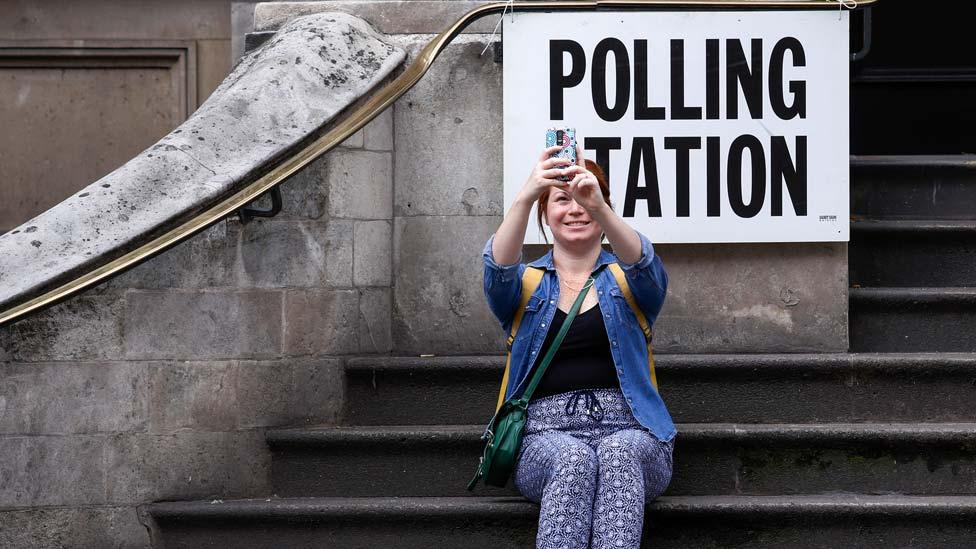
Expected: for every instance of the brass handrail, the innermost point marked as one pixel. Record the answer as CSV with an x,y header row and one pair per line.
x,y
361,116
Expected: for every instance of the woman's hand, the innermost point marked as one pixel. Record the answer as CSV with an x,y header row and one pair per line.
x,y
545,172
584,188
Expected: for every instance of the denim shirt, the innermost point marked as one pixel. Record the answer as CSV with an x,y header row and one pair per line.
x,y
648,282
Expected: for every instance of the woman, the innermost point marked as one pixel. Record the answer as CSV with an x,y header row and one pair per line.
x,y
598,442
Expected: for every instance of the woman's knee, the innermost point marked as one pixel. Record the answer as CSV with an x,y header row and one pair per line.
x,y
553,456
642,452
623,447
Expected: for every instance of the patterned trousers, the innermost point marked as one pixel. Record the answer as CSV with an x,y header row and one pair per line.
x,y
592,467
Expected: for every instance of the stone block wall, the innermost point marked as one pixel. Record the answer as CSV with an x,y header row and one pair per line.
x,y
160,383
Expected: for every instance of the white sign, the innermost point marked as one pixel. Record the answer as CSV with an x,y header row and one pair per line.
x,y
716,126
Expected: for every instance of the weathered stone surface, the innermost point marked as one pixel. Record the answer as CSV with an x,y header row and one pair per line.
x,y
757,298
375,313
85,327
55,470
170,20
185,465
360,184
72,397
103,527
205,260
379,132
354,141
439,303
395,17
275,97
193,395
203,324
321,322
241,23
304,195
289,392
372,261
449,135
289,254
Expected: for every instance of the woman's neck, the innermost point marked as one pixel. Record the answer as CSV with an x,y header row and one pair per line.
x,y
575,261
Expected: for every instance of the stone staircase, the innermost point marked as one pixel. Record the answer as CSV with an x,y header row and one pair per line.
x,y
867,449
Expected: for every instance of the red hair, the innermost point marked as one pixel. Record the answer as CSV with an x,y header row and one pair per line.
x,y
601,179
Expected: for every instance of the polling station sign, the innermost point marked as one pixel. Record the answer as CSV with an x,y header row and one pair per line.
x,y
713,126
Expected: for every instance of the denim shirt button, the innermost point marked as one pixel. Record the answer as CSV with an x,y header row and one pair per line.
x,y
543,324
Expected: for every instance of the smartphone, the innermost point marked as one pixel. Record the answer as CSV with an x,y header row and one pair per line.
x,y
565,137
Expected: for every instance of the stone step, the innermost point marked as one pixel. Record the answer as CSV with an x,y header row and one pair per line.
x,y
758,459
908,320
913,253
852,521
767,388
913,186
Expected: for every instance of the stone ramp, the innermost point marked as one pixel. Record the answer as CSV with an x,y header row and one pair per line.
x,y
275,101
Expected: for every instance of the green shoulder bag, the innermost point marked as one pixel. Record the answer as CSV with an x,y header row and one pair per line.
x,y
504,436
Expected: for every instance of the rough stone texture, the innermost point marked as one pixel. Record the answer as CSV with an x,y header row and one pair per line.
x,y
289,392
371,265
276,96
203,324
440,169
205,260
72,398
360,184
379,132
439,304
390,17
185,465
81,527
754,298
304,195
321,322
82,327
276,254
375,311
193,395
52,470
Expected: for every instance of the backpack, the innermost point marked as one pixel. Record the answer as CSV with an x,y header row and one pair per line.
x,y
530,282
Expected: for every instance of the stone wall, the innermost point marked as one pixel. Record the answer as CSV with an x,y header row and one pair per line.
x,y
159,383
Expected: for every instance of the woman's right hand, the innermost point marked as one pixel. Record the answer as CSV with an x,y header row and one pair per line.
x,y
545,172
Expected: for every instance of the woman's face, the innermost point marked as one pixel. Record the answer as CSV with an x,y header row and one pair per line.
x,y
569,222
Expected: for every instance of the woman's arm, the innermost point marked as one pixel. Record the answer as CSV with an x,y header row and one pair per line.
x,y
624,240
503,251
507,246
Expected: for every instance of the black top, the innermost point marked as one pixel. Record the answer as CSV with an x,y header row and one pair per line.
x,y
583,361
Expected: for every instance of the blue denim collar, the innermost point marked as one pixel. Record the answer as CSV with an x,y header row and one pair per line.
x,y
545,262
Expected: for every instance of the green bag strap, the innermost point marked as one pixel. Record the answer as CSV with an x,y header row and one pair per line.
x,y
618,274
530,282
537,378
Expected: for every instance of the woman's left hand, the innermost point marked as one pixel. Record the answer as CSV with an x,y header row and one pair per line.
x,y
584,187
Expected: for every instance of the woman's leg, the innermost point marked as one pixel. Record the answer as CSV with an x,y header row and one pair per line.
x,y
634,468
559,472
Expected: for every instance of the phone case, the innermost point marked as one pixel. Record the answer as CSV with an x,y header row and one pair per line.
x,y
565,137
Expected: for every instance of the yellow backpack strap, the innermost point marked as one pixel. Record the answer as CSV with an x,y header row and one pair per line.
x,y
531,278
618,274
